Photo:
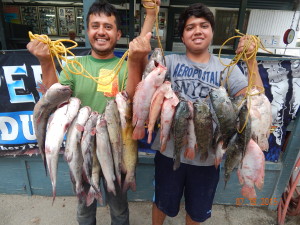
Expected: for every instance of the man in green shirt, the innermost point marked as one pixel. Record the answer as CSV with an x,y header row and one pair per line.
x,y
103,29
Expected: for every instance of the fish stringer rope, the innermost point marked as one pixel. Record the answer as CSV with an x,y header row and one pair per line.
x,y
156,24
58,50
245,56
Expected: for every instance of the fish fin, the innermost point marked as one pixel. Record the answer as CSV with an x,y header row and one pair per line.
x,y
248,192
138,133
189,153
54,194
79,127
217,162
112,189
203,156
41,87
259,184
149,136
241,178
68,157
176,164
92,195
93,131
129,183
163,146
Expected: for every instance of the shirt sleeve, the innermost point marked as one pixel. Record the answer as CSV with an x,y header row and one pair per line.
x,y
65,78
237,81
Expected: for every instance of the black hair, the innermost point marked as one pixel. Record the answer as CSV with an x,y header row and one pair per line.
x,y
106,8
198,10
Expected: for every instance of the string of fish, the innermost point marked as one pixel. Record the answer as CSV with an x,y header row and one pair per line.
x,y
245,56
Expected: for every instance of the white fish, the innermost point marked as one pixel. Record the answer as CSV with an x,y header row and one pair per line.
x,y
57,127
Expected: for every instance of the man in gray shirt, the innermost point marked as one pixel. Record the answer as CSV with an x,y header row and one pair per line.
x,y
193,75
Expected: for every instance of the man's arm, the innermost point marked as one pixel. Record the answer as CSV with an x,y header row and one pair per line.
x,y
255,79
41,51
139,48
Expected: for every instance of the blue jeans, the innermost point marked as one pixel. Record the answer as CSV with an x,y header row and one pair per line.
x,y
118,205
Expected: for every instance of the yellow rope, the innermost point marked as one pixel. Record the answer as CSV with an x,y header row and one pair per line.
x,y
243,56
58,50
156,24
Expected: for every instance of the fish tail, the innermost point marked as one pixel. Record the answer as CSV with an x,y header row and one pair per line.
x,y
189,153
138,133
203,156
129,183
176,163
217,162
92,195
248,192
149,136
259,183
54,194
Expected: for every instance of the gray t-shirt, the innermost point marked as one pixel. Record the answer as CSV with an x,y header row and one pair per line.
x,y
194,81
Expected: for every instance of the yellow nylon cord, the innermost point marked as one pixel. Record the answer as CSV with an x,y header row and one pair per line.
x,y
156,24
243,56
58,50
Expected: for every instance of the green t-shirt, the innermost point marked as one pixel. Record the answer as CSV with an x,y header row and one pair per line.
x,y
87,90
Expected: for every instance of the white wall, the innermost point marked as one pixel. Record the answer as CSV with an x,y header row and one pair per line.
x,y
273,22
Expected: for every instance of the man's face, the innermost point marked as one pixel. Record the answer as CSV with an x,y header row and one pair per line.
x,y
197,35
103,34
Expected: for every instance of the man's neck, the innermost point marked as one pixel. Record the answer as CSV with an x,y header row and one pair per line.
x,y
103,56
202,57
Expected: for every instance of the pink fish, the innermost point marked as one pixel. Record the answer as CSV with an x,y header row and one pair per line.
x,y
164,91
252,170
166,118
261,118
142,100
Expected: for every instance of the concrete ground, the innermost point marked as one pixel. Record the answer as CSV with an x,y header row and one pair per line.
x,y
38,210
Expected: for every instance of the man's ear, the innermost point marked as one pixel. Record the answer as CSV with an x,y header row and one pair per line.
x,y
119,34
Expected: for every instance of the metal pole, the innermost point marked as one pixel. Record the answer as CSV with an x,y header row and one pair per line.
x,y
241,19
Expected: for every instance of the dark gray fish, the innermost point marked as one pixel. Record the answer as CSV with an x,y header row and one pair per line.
x,y
114,128
155,59
233,157
225,113
203,127
180,129
87,145
52,98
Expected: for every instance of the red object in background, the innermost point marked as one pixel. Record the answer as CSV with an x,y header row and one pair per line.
x,y
288,36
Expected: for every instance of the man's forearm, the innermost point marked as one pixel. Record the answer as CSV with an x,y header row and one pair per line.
x,y
254,78
49,76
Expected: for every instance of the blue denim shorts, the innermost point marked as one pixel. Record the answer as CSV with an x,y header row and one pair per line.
x,y
198,184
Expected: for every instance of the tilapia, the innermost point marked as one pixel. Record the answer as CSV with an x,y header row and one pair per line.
x,y
51,99
142,99
225,113
130,148
190,150
155,59
58,126
73,153
94,191
166,118
104,153
233,157
261,118
180,128
252,171
164,91
87,144
244,129
112,118
203,127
